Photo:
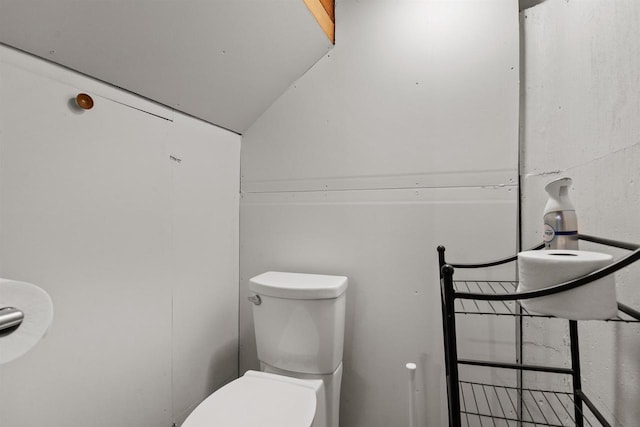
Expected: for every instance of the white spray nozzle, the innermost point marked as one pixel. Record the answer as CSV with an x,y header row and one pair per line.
x,y
558,190
556,185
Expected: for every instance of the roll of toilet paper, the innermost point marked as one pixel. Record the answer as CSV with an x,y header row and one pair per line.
x,y
37,307
541,269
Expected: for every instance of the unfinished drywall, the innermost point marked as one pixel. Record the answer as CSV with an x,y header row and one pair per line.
x,y
127,215
402,138
580,119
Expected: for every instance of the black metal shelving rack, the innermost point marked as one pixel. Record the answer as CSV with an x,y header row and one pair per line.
x,y
479,404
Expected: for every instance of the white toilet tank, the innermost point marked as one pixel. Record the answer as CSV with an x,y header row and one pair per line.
x,y
299,323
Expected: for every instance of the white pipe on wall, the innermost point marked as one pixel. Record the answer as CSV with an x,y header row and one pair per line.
x,y
411,367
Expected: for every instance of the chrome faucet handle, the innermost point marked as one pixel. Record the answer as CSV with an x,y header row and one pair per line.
x,y
10,318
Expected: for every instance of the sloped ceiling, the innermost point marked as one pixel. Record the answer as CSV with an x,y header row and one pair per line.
x,y
224,61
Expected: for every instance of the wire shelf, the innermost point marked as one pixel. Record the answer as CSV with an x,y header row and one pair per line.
x,y
476,404
503,308
497,406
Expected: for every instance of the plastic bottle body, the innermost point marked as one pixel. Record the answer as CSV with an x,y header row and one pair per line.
x,y
561,230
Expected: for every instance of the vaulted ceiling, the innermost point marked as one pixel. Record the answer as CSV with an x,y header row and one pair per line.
x,y
223,61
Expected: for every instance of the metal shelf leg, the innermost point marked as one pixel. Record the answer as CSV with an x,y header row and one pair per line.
x,y
451,351
575,366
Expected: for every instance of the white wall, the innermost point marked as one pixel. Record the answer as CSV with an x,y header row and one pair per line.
x,y
138,252
222,61
402,138
580,119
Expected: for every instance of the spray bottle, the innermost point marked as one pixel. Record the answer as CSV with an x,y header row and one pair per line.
x,y
560,220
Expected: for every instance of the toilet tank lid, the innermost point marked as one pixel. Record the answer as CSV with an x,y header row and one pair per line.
x,y
298,285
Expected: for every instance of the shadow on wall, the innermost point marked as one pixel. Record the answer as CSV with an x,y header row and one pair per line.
x,y
226,355
432,373
626,362
526,4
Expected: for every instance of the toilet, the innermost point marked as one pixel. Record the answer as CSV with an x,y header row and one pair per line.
x,y
299,326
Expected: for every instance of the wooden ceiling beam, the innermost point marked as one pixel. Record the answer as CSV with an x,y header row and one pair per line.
x,y
323,11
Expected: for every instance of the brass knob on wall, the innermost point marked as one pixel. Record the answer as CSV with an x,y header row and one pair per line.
x,y
84,101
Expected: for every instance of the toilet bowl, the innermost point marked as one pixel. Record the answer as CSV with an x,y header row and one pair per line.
x,y
299,326
260,399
